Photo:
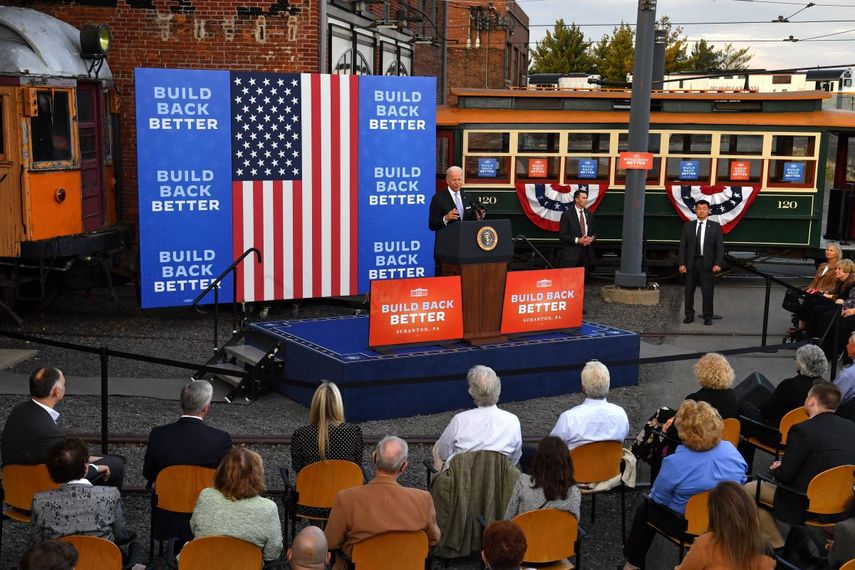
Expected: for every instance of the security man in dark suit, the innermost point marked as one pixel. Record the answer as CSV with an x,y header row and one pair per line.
x,y
31,430
821,442
701,255
188,441
576,232
452,205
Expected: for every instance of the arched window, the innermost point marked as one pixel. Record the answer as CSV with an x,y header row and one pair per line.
x,y
345,64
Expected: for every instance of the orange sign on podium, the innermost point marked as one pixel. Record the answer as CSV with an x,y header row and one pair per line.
x,y
420,310
541,300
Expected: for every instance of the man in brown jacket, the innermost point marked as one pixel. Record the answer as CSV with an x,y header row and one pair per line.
x,y
383,505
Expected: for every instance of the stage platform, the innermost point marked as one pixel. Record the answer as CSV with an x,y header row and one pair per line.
x,y
426,379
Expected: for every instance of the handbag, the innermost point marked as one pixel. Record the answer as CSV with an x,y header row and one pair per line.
x,y
793,300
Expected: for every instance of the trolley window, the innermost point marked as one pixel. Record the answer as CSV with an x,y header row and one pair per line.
x,y
537,169
689,170
741,145
51,128
582,170
690,143
108,129
537,142
487,169
792,173
793,145
488,142
653,142
737,171
588,143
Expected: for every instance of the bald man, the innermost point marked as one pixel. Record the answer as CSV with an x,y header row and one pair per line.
x,y
309,550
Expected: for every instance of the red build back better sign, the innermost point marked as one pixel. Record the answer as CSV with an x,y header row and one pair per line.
x,y
545,299
406,311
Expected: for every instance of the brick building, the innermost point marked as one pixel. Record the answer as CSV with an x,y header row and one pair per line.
x,y
383,37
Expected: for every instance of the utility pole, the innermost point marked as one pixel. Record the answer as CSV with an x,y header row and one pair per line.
x,y
632,237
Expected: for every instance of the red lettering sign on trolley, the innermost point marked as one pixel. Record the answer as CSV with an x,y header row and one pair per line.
x,y
406,311
542,300
537,168
636,160
740,170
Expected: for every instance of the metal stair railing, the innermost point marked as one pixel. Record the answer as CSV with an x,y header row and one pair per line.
x,y
534,250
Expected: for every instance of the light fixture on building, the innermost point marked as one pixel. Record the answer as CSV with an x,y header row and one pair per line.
x,y
361,6
95,43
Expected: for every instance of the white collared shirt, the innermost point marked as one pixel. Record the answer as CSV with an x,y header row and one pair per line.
x,y
83,481
200,418
481,429
459,197
54,415
592,420
703,226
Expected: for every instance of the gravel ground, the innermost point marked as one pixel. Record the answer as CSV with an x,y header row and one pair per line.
x,y
182,334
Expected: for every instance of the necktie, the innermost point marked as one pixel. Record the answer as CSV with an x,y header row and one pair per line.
x,y
458,203
582,223
698,249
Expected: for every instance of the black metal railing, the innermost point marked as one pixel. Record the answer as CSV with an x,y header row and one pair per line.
x,y
534,250
215,285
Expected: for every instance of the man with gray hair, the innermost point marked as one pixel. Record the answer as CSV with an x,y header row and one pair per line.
x,y
309,550
595,419
485,428
188,441
382,505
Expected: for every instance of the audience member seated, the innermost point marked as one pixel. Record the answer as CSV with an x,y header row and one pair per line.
x,y
503,546
188,441
734,540
485,428
823,286
595,419
550,485
309,550
715,377
31,430
811,367
77,507
819,443
234,505
845,381
49,555
701,462
382,505
818,321
327,436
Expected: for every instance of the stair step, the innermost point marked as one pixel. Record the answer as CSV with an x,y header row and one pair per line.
x,y
246,353
227,378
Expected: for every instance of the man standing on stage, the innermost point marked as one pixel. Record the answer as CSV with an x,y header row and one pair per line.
x,y
452,205
701,255
576,232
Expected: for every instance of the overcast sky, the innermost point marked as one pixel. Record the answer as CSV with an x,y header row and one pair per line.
x,y
745,23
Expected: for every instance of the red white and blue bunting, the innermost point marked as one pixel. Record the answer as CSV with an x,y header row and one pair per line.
x,y
544,203
728,204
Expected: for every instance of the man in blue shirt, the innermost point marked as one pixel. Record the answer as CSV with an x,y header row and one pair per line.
x,y
846,379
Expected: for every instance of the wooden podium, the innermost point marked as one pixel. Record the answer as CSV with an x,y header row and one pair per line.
x,y
478,251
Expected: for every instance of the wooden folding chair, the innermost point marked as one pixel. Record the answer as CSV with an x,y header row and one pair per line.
x,y
790,419
176,490
826,496
219,553
731,429
95,553
20,483
553,537
401,550
316,486
849,565
600,461
694,522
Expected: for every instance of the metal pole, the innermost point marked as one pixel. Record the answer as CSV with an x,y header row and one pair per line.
x,y
835,345
630,273
766,310
105,391
322,37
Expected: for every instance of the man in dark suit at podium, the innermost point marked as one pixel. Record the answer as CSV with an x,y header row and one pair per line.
x,y
701,255
576,232
452,205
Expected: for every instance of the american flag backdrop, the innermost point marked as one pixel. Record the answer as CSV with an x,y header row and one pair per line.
x,y
295,184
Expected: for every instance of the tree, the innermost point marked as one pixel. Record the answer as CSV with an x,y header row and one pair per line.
x,y
704,57
562,51
613,54
675,46
732,58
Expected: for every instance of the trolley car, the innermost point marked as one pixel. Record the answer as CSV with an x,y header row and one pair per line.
x,y
781,155
58,204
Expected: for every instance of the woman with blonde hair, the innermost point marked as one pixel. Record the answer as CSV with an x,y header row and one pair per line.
x,y
701,462
327,436
733,540
234,505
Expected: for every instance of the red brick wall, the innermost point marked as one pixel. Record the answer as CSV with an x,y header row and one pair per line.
x,y
198,34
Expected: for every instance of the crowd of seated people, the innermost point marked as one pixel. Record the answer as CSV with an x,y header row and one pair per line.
x,y
738,536
819,316
822,289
